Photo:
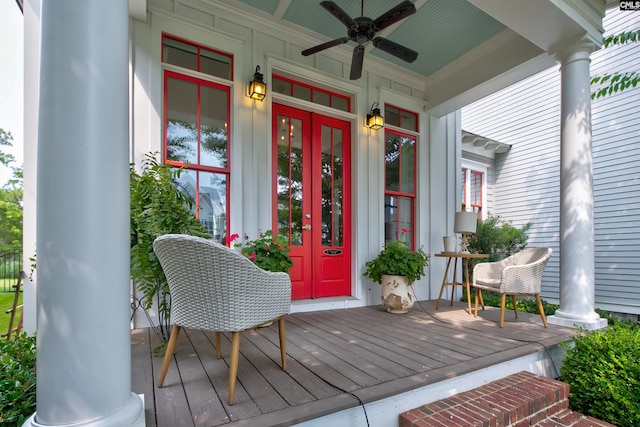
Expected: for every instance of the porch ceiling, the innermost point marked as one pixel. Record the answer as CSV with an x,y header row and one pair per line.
x,y
462,45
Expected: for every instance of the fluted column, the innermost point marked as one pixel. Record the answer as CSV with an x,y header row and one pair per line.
x,y
82,220
577,260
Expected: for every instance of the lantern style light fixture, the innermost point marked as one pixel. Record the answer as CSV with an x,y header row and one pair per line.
x,y
465,223
257,86
374,120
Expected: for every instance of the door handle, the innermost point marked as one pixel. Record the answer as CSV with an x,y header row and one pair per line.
x,y
306,227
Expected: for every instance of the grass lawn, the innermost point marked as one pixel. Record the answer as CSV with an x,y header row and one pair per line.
x,y
6,301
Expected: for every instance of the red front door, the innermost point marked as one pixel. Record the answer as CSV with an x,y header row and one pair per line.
x,y
311,193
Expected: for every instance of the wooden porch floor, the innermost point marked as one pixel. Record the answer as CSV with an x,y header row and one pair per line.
x,y
333,356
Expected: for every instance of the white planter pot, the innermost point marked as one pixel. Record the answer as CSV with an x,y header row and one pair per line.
x,y
397,295
449,244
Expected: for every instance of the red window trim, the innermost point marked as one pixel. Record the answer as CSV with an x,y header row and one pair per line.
x,y
412,196
400,118
199,47
315,89
196,166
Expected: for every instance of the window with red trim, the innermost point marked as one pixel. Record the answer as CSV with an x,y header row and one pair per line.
x,y
313,94
400,186
472,191
196,138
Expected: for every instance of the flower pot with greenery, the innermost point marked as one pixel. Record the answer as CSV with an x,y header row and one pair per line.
x,y
396,267
267,251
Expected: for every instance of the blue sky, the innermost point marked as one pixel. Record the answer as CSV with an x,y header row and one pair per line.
x,y
11,72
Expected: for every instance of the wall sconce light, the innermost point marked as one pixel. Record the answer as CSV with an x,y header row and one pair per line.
x,y
374,120
257,86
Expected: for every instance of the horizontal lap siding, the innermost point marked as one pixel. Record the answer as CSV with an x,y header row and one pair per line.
x,y
616,180
527,177
527,181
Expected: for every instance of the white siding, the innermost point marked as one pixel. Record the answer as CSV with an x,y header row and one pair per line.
x,y
527,184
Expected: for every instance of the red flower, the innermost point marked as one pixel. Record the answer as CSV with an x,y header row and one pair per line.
x,y
233,237
253,257
404,230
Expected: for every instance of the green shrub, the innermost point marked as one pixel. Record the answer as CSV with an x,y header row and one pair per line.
x,y
525,305
603,372
18,379
498,238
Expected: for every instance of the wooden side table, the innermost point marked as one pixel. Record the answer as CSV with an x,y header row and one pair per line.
x,y
466,260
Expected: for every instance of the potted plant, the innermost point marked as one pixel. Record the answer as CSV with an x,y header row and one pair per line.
x,y
157,207
267,251
396,267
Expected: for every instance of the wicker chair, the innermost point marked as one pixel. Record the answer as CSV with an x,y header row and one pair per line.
x,y
518,274
214,288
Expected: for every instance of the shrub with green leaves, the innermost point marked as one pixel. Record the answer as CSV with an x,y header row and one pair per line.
x,y
603,372
18,379
498,238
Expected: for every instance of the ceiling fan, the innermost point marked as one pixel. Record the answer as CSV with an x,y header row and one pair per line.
x,y
363,29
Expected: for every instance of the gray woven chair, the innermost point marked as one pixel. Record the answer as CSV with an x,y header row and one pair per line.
x,y
518,274
214,288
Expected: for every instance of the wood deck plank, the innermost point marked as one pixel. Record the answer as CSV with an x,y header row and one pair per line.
x,y
142,371
218,374
172,407
329,355
300,373
361,354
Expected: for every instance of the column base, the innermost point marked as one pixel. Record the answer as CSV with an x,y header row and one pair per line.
x,y
588,324
132,415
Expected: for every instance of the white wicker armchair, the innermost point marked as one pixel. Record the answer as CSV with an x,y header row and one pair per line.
x,y
518,274
215,288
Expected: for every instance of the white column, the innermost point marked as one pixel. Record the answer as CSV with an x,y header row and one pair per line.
x,y
577,260
83,337
30,149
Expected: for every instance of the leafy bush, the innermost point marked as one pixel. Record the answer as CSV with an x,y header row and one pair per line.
x,y
498,238
525,305
603,372
18,379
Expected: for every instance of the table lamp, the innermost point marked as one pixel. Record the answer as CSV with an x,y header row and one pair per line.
x,y
465,224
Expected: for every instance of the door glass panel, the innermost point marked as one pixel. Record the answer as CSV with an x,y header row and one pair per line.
x,y
289,180
182,113
332,187
213,127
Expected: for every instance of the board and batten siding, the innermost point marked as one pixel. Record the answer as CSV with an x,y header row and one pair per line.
x,y
527,178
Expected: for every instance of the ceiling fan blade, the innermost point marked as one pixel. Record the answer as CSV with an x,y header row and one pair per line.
x,y
356,62
338,13
326,45
395,49
394,15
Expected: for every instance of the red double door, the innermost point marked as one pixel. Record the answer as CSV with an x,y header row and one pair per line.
x,y
312,199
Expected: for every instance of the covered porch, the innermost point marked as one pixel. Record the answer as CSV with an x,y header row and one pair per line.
x,y
339,361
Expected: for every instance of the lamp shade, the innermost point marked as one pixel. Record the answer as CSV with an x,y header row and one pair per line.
x,y
465,222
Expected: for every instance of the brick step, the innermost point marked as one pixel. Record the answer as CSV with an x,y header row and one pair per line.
x,y
569,418
521,399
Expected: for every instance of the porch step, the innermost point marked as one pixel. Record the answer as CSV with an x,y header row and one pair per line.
x,y
519,400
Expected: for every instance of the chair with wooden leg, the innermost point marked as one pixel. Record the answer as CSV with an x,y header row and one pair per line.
x,y
518,274
214,288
